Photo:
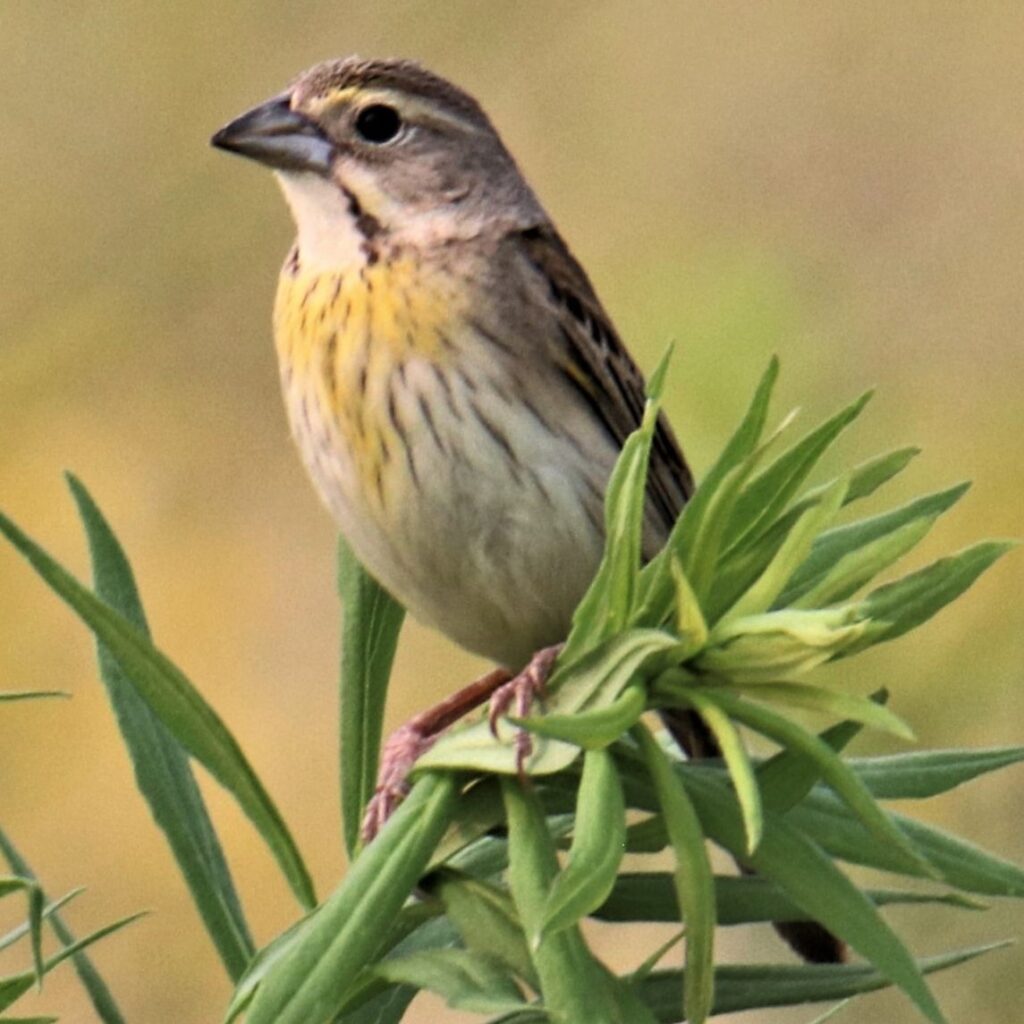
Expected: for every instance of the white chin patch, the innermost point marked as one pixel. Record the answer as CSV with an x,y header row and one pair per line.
x,y
328,236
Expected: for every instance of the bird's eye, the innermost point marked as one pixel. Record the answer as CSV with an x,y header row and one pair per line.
x,y
378,123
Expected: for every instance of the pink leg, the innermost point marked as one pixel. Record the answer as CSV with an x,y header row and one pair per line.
x,y
419,734
416,737
519,693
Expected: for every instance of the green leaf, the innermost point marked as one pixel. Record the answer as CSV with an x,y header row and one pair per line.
x,y
742,564
812,881
737,761
370,627
487,922
656,584
850,706
465,979
765,497
19,932
858,568
99,994
598,844
836,544
12,695
14,986
748,987
573,987
180,707
788,776
606,607
761,595
781,645
901,606
35,899
843,781
958,862
311,980
739,899
374,1001
693,880
162,771
591,730
922,774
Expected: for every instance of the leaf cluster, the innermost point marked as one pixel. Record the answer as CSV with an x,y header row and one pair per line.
x,y
479,885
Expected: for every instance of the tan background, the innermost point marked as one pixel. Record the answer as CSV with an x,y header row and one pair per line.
x,y
841,184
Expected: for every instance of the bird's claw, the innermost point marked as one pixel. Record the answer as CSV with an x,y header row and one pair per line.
x,y
518,694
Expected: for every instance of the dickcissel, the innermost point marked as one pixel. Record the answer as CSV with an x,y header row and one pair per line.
x,y
457,391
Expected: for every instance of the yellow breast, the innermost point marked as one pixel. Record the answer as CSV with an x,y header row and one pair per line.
x,y
343,342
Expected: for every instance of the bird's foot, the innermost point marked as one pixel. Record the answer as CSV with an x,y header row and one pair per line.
x,y
518,694
401,751
407,744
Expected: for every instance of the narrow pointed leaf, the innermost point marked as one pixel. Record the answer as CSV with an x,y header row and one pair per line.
x,y
162,771
765,497
788,776
741,772
465,979
14,987
859,567
35,899
812,881
835,544
311,980
656,583
187,716
743,563
922,774
99,994
911,601
843,781
692,878
739,899
594,729
487,922
370,626
10,696
608,603
959,863
572,984
598,844
850,706
794,550
750,987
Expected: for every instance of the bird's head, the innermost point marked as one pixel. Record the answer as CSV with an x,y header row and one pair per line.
x,y
369,146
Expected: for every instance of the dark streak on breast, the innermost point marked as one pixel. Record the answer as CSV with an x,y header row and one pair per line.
x,y
490,337
330,368
500,439
428,417
399,428
447,389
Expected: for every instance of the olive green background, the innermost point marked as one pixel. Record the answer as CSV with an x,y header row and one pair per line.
x,y
840,184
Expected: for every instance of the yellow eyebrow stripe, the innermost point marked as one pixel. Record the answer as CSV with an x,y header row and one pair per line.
x,y
412,108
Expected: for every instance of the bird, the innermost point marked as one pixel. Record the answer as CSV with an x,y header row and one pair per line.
x,y
457,391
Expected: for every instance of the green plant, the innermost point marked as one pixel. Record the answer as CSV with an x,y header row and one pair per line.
x,y
464,891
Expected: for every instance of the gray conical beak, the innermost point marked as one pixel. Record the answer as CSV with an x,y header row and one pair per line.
x,y
279,137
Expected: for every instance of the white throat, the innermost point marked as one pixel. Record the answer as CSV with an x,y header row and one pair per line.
x,y
328,236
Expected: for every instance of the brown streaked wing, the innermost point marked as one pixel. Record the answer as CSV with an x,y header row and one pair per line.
x,y
598,365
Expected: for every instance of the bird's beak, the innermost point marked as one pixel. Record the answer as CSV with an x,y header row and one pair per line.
x,y
279,137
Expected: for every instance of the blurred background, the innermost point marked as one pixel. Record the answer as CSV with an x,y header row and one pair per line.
x,y
840,184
